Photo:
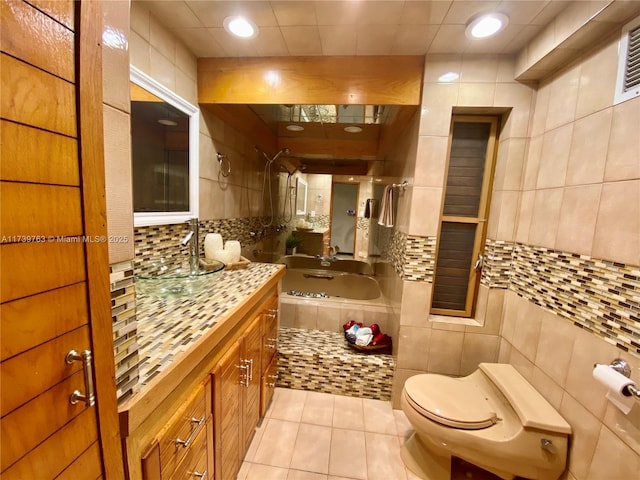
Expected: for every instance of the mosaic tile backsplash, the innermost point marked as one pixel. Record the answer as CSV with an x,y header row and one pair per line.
x,y
125,328
322,362
164,240
497,264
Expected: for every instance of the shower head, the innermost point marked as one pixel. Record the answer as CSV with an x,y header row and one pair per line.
x,y
286,151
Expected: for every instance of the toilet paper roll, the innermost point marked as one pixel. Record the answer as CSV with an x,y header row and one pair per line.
x,y
615,383
224,256
212,242
233,246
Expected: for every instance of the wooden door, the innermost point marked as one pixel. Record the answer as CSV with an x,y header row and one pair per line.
x,y
54,283
251,357
226,413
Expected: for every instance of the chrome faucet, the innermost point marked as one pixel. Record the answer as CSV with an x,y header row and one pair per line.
x,y
191,239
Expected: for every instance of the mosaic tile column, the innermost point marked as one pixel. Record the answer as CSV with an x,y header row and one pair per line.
x,y
125,329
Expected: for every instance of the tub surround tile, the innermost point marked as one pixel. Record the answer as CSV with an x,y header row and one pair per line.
x,y
167,328
322,362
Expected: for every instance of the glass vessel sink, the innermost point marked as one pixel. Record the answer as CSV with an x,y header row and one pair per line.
x,y
166,279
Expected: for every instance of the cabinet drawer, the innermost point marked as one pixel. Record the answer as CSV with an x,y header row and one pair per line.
x,y
194,465
177,438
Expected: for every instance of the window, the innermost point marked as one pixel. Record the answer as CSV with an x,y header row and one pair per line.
x,y
628,81
164,153
472,148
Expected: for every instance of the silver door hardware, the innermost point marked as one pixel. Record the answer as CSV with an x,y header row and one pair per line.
x,y
76,396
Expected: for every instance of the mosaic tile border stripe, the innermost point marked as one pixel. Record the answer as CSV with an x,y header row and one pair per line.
x,y
322,362
420,258
125,329
496,271
164,240
598,295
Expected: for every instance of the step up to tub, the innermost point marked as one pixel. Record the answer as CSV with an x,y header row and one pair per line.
x,y
322,362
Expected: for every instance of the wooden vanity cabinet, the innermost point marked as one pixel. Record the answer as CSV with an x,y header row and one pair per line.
x,y
198,417
269,369
237,393
183,439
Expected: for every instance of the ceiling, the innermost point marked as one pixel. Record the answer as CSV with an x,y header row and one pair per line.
x,y
355,27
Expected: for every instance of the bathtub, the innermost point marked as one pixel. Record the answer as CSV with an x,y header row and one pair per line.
x,y
349,296
335,278
314,263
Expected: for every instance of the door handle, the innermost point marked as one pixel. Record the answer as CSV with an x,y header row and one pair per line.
x,y
76,396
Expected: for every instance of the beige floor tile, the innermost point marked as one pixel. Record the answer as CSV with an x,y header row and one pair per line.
x,y
402,424
348,413
348,454
266,472
318,409
253,447
277,443
383,457
311,451
302,475
288,405
379,417
242,473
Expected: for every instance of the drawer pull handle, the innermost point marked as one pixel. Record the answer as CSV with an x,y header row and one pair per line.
x,y
87,365
271,384
272,313
249,362
197,474
244,377
194,433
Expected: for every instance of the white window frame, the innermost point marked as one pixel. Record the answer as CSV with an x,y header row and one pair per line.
x,y
141,219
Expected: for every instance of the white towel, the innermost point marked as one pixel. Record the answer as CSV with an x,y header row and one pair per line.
x,y
364,336
386,208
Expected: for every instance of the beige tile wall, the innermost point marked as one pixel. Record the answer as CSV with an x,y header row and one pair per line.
x,y
424,344
156,52
580,194
557,357
117,140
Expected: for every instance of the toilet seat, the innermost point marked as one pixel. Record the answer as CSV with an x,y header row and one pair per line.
x,y
450,401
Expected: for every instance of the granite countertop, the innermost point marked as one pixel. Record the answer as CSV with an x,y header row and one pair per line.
x,y
167,328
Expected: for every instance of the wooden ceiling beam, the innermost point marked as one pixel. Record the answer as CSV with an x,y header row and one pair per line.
x,y
341,80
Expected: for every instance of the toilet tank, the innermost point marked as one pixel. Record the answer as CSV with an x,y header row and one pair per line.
x,y
531,407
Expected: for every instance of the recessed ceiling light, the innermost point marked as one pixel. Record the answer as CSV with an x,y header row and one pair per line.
x,y
448,77
353,129
240,27
486,25
294,128
167,123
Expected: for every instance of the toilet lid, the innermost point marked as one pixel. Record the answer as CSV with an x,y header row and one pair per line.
x,y
450,401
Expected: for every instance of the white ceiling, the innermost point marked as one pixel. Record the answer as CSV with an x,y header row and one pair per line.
x,y
354,27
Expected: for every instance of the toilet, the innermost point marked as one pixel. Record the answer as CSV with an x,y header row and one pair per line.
x,y
492,418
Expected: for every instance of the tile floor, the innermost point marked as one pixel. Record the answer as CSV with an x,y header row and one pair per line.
x,y
318,436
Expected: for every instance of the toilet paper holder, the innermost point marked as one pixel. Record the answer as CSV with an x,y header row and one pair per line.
x,y
622,367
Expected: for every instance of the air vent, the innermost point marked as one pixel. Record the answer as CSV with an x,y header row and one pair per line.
x,y
628,84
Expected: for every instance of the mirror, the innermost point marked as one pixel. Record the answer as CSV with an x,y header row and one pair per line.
x,y
301,196
164,153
